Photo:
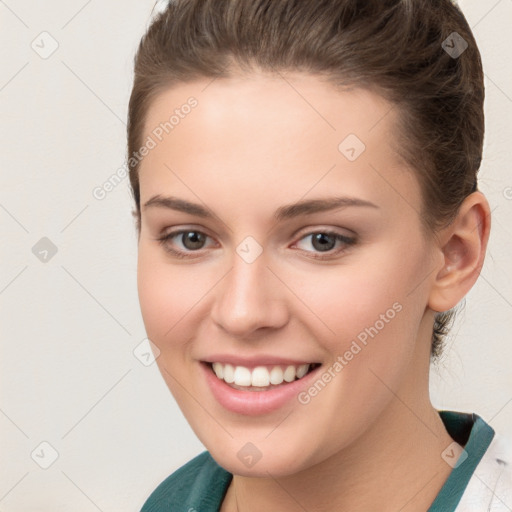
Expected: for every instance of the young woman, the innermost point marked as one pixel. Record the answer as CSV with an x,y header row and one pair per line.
x,y
305,185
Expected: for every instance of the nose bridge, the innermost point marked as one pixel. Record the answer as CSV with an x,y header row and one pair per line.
x,y
250,297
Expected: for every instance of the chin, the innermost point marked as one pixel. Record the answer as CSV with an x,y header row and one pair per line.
x,y
265,462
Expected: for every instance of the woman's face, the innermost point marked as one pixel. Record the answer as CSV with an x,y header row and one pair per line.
x,y
294,238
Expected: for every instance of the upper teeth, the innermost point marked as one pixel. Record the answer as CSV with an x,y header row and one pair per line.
x,y
260,376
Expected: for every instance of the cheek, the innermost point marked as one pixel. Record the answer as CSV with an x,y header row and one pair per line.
x,y
167,294
375,320
367,301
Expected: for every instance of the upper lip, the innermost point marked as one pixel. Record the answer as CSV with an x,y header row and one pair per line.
x,y
251,362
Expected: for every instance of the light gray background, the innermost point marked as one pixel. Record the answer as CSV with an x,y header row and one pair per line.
x,y
69,325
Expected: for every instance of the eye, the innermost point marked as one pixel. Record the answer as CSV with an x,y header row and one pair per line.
x,y
191,241
184,242
325,242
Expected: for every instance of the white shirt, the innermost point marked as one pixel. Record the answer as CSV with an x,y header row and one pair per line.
x,y
490,487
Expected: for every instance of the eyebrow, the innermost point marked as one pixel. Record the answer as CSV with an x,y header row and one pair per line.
x,y
304,207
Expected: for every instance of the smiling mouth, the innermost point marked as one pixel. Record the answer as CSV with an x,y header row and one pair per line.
x,y
260,378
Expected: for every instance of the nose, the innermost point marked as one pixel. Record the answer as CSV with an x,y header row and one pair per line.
x,y
249,298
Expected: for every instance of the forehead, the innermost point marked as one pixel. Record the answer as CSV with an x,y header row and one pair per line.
x,y
277,99
257,129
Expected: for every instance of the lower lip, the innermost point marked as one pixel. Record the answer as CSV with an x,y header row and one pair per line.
x,y
253,403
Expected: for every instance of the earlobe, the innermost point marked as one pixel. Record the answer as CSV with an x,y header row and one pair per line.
x,y
463,246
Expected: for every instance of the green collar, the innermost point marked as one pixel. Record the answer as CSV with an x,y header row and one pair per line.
x,y
475,435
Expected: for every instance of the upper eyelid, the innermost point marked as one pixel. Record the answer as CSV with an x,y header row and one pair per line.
x,y
302,232
179,231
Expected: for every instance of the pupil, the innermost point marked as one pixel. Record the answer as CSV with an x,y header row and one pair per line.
x,y
323,242
193,240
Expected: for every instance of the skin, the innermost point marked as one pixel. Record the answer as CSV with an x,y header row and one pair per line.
x,y
253,144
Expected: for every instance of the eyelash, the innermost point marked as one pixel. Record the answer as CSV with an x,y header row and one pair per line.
x,y
348,241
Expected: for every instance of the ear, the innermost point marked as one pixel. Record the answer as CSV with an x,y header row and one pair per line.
x,y
462,247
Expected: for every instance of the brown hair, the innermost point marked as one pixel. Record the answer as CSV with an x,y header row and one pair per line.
x,y
401,49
